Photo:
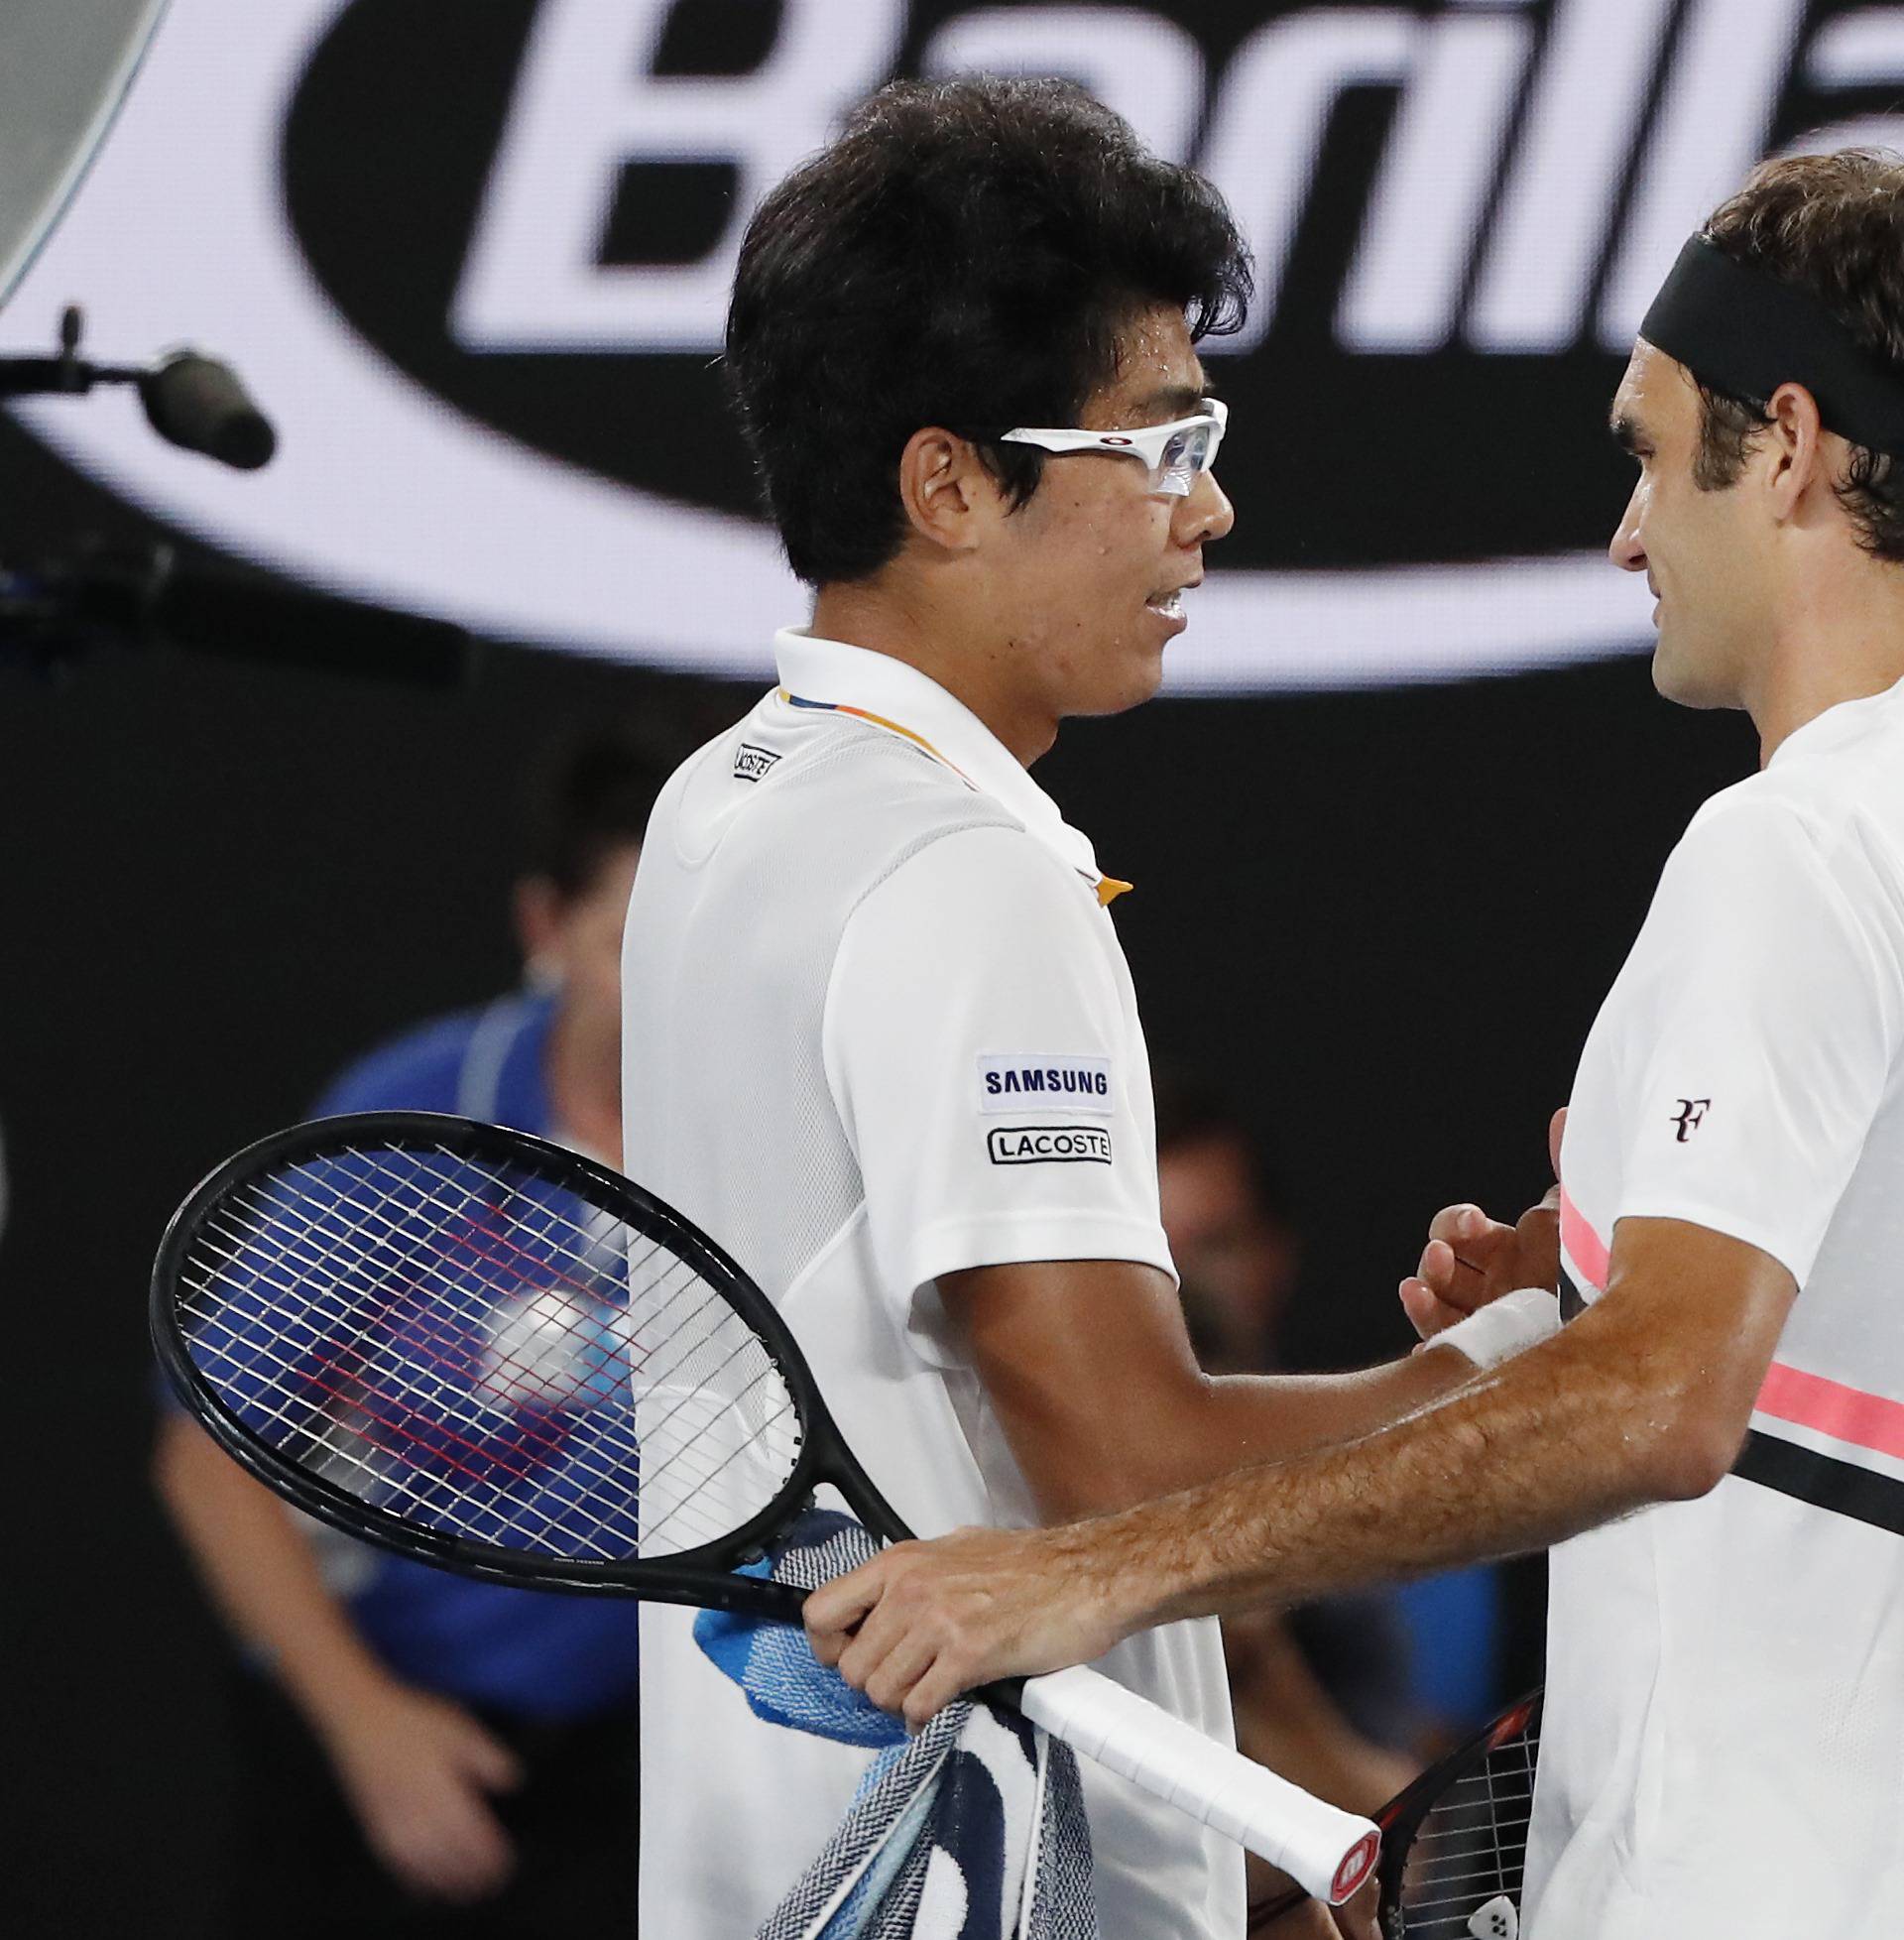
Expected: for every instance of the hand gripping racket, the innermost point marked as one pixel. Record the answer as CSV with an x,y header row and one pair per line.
x,y
481,1351
1453,1842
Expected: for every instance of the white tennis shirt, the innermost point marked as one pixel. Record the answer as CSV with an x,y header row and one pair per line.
x,y
1724,1747
878,1028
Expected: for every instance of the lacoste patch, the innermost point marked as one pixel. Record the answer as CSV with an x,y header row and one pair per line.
x,y
751,763
1070,1084
1048,1144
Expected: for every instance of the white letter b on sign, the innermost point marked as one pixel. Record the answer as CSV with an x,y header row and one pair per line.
x,y
587,103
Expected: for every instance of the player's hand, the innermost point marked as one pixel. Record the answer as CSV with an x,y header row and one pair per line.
x,y
924,1621
418,1771
1470,1259
1358,1916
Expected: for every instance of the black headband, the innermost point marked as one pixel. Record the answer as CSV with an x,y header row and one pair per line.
x,y
1741,331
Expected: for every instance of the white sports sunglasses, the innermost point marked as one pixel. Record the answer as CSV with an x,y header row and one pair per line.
x,y
1175,454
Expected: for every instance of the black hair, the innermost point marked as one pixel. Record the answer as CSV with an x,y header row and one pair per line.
x,y
590,795
964,255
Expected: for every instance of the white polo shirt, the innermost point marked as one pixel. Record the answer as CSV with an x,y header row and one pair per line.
x,y
1724,1747
878,1028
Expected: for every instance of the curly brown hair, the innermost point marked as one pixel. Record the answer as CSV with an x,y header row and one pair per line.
x,y
1832,225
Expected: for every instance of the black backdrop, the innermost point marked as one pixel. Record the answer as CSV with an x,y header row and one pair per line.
x,y
1385,918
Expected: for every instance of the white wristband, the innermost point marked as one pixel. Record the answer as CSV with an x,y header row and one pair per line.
x,y
1503,1327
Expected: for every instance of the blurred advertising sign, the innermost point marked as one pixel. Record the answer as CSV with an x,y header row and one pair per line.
x,y
474,259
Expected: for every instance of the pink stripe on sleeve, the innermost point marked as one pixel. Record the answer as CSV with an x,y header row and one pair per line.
x,y
1587,1249
1845,1414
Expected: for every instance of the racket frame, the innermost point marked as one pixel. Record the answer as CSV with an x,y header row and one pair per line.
x,y
1405,1814
1131,1735
705,1575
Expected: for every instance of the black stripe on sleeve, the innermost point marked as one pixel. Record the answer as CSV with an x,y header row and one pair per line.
x,y
1823,1481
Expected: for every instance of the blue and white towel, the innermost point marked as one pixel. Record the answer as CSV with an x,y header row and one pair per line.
x,y
974,1830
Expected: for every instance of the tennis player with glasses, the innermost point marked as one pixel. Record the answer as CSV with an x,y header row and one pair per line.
x,y
887,1045
1709,1419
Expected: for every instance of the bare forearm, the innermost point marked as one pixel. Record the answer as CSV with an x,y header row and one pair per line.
x,y
1643,1399
1171,1431
1253,1418
1567,1437
262,1574
1217,1426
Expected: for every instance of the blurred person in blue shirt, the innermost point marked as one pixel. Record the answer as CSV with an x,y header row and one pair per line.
x,y
422,1754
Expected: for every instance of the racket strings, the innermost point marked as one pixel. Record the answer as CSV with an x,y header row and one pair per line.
x,y
335,1450
504,1375
353,1417
449,1366
476,1345
1472,1846
446,1350
434,1340
455,1365
257,1231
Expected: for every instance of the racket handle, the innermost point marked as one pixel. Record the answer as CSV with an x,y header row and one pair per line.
x,y
1327,1852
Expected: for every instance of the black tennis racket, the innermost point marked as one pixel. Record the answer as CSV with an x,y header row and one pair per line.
x,y
480,1350
1453,1842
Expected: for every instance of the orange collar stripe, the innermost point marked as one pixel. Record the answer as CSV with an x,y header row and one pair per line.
x,y
1109,888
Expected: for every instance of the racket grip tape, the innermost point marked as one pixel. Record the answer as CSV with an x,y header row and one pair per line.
x,y
1326,1851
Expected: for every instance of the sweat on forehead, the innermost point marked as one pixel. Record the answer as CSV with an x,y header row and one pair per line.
x,y
1156,368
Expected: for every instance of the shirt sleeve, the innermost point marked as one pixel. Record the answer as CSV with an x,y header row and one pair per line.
x,y
988,1073
417,1072
1764,1014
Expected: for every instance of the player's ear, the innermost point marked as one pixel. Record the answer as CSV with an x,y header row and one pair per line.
x,y
946,488
1795,437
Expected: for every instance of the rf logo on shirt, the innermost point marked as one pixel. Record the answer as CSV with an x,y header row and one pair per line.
x,y
1690,1116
